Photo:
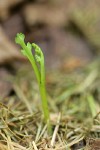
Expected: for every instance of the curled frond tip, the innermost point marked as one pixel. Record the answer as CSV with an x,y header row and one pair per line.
x,y
19,38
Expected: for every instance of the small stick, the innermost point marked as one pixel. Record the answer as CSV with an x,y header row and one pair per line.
x,y
34,146
55,131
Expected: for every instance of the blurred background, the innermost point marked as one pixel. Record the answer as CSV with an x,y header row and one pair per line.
x,y
67,31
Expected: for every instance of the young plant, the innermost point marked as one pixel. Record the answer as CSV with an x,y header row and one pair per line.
x,y
39,70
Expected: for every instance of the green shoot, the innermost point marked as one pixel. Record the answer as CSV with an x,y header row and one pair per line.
x,y
39,70
92,105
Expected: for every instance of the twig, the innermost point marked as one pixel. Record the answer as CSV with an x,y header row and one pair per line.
x,y
55,131
34,145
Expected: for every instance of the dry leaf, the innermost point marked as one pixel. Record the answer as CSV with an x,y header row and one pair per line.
x,y
4,7
45,14
5,85
8,52
86,16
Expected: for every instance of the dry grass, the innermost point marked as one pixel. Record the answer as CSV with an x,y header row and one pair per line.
x,y
74,102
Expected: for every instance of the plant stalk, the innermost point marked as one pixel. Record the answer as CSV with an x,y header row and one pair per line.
x,y
45,106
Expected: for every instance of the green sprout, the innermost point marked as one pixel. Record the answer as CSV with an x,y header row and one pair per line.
x,y
39,70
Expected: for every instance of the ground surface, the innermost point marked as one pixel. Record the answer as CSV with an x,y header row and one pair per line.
x,y
69,34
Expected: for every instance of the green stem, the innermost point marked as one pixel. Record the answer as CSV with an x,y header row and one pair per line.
x,y
44,102
36,71
43,94
33,63
45,106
